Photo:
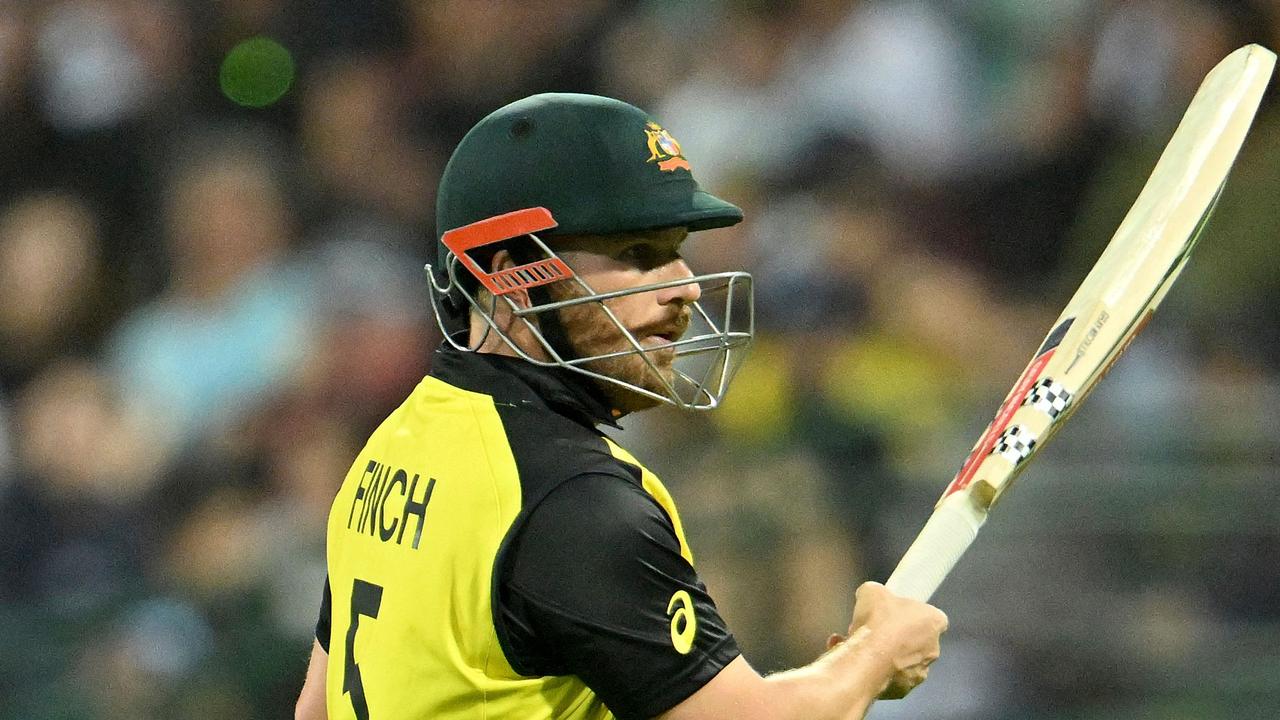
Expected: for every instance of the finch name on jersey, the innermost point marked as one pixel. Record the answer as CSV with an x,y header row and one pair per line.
x,y
369,513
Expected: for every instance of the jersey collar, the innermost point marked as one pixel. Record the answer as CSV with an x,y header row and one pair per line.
x,y
513,380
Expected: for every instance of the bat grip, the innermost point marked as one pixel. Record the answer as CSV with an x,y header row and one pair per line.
x,y
944,538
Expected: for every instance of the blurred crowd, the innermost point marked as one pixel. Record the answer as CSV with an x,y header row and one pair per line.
x,y
205,307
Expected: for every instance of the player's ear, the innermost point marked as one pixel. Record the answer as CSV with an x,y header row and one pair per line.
x,y
501,261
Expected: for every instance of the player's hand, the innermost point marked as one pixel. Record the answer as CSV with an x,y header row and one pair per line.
x,y
902,632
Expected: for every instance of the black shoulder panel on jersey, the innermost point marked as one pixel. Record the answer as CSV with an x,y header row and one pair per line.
x,y
549,450
597,587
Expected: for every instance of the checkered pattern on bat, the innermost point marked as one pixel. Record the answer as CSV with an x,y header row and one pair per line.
x,y
1015,444
1049,397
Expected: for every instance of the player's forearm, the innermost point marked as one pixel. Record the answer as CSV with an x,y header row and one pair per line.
x,y
840,685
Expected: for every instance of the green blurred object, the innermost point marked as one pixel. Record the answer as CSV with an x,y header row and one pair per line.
x,y
257,72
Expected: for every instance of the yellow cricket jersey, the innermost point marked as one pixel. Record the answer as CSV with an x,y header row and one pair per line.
x,y
492,555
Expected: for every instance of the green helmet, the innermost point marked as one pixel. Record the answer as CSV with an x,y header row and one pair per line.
x,y
599,165
563,164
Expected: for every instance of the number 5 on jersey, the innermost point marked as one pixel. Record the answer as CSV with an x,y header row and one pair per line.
x,y
366,599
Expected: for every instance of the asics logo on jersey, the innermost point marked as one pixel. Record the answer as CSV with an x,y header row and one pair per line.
x,y
684,623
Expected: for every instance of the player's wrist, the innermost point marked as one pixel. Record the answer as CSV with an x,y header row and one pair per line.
x,y
865,662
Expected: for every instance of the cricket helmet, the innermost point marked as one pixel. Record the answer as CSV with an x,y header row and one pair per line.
x,y
563,164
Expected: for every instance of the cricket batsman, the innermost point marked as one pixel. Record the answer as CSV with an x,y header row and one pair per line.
x,y
492,553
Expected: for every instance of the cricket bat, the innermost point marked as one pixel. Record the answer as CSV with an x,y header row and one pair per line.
x,y
1115,301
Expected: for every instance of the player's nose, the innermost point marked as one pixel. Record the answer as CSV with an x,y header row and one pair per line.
x,y
683,294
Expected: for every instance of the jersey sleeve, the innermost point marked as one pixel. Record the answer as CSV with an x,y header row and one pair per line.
x,y
595,586
323,622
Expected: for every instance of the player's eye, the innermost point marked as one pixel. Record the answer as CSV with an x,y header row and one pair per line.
x,y
647,255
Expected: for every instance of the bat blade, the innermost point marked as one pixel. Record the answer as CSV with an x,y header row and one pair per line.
x,y
1112,305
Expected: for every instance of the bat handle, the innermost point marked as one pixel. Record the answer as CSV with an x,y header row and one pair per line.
x,y
944,538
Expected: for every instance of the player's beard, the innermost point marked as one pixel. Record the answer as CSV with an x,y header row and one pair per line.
x,y
589,331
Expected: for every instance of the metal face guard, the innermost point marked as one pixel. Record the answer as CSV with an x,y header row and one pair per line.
x,y
706,358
